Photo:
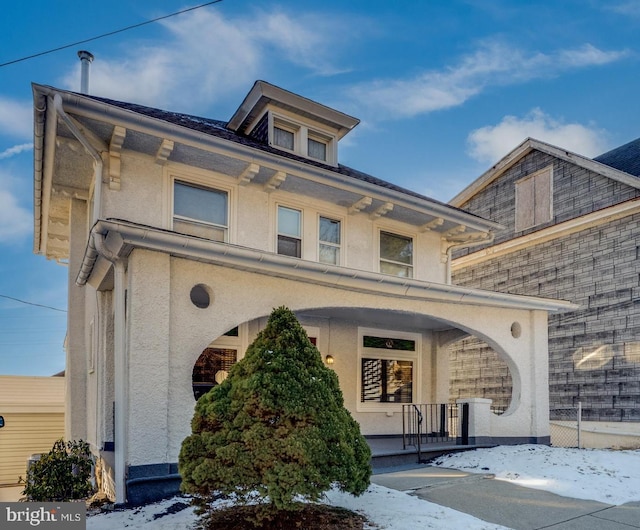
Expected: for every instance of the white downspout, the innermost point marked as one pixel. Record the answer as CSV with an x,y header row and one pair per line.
x,y
469,244
120,360
121,368
98,164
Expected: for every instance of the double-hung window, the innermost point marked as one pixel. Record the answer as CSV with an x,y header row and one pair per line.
x,y
200,211
396,255
283,138
317,146
289,232
329,241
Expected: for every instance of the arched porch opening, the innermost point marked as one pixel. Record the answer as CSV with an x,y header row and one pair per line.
x,y
477,370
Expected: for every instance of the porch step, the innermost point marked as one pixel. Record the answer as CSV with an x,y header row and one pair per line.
x,y
387,452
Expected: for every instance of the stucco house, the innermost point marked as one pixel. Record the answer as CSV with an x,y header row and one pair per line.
x,y
572,232
182,233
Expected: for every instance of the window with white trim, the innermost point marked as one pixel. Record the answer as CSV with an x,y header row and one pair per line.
x,y
534,199
301,139
200,211
289,232
329,236
317,146
396,254
284,136
388,368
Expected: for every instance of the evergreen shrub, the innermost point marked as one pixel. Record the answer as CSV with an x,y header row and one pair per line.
x,y
276,428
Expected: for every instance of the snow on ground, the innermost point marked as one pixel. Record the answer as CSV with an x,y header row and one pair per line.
x,y
612,477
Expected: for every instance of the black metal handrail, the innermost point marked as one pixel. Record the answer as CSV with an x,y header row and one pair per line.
x,y
428,423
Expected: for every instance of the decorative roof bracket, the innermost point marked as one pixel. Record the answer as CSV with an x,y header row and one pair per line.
x,y
360,205
276,181
382,210
115,148
248,174
164,151
434,223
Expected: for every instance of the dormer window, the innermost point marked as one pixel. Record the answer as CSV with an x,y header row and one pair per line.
x,y
284,136
317,148
299,138
292,123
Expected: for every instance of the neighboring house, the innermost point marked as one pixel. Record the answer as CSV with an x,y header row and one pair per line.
x,y
33,412
183,233
572,232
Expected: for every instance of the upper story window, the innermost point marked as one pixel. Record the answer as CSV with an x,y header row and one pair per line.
x,y
534,199
289,232
200,211
396,254
303,140
329,234
317,148
284,136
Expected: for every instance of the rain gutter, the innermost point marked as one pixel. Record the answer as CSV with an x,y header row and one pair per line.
x,y
98,110
131,235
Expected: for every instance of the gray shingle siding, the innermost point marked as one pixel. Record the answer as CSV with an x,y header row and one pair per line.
x,y
598,269
576,192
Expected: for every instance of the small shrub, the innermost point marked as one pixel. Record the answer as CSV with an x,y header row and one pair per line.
x,y
63,474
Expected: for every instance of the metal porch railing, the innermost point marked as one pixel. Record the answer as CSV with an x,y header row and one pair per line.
x,y
430,423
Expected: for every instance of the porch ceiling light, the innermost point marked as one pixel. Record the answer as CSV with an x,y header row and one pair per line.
x,y
329,359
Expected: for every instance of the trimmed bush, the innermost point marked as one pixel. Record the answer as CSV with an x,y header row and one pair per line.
x,y
63,474
276,427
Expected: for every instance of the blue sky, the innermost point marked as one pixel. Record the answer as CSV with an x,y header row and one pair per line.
x,y
443,89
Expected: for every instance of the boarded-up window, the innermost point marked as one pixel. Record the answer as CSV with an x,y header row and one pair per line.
x,y
534,204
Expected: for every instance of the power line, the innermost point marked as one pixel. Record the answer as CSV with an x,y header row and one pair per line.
x,y
32,303
109,34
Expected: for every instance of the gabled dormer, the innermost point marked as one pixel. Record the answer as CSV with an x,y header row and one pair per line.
x,y
292,123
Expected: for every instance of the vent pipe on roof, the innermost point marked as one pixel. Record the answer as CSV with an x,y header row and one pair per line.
x,y
85,58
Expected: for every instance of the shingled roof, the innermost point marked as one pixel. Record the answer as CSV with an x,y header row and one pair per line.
x,y
624,158
219,129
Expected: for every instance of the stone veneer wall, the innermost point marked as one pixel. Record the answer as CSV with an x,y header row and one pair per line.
x,y
476,370
594,352
576,192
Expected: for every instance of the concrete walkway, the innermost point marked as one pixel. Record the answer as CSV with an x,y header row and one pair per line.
x,y
500,502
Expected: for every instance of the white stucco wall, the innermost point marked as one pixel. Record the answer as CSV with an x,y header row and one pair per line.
x,y
145,193
167,333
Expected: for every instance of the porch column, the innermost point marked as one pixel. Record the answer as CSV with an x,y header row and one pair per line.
x,y
479,419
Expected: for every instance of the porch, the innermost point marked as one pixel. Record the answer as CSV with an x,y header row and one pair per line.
x,y
429,430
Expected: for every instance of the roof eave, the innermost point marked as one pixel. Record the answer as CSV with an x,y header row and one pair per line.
x,y
263,92
94,109
131,235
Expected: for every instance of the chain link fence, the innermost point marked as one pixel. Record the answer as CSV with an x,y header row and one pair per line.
x,y
565,426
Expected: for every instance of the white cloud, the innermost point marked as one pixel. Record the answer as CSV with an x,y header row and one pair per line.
x,y
16,118
627,8
493,63
15,150
491,143
15,221
306,40
208,57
